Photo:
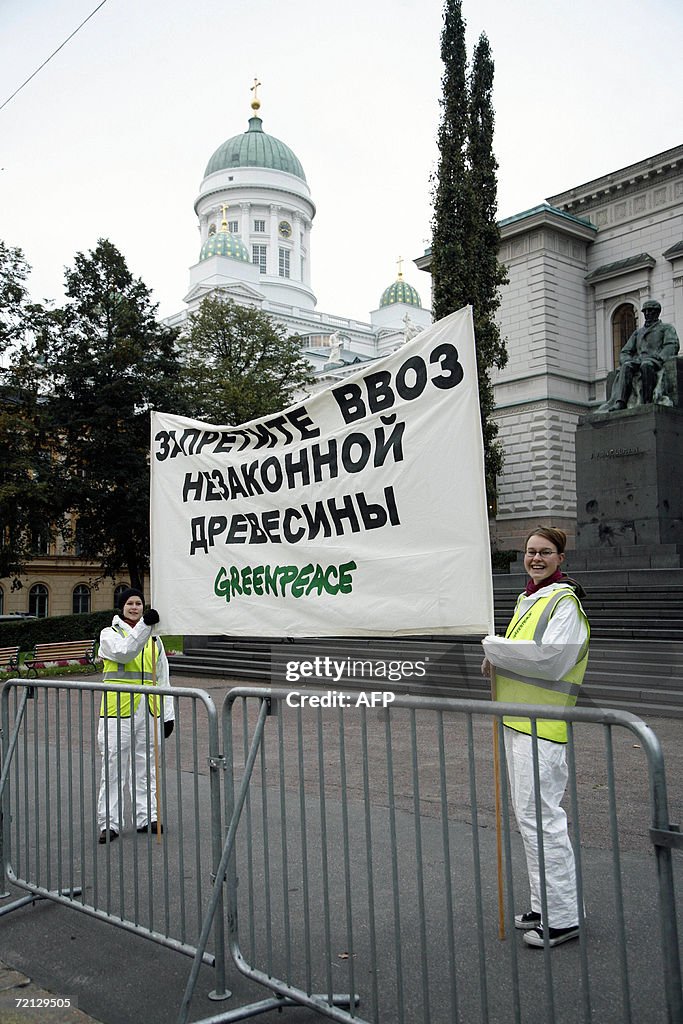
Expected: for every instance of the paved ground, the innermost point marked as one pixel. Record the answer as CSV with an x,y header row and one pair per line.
x,y
23,1000
118,978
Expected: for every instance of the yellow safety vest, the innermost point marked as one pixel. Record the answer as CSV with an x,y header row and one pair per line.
x,y
138,671
512,688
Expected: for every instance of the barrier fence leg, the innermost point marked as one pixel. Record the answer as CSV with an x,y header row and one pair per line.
x,y
228,847
6,763
6,755
219,992
670,950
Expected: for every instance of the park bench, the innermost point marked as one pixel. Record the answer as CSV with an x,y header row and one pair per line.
x,y
64,653
9,659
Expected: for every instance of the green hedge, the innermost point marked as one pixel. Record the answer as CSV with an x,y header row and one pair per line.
x,y
29,632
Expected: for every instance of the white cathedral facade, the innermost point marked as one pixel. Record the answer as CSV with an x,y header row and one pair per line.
x,y
255,214
580,265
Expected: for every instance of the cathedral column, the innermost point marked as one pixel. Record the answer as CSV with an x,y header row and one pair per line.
x,y
306,226
297,227
246,224
274,254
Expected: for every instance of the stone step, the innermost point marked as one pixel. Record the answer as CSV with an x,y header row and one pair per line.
x,y
643,697
650,669
636,648
608,659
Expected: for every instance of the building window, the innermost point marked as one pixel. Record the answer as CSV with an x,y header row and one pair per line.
x,y
79,541
2,601
81,599
40,541
118,590
260,227
623,326
258,256
232,227
37,600
283,264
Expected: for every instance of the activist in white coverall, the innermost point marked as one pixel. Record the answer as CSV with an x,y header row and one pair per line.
x,y
542,660
128,650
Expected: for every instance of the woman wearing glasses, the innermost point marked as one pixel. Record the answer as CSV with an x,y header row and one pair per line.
x,y
542,660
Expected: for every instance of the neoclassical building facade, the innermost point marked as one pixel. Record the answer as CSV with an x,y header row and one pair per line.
x,y
580,265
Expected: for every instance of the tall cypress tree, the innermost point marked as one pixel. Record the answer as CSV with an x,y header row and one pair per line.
x,y
465,238
451,192
487,274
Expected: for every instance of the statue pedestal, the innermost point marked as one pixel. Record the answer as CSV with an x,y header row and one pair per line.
x,y
629,489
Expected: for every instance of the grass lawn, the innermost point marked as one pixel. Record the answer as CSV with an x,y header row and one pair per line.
x,y
173,643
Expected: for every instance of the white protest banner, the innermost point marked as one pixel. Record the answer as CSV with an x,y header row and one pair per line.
x,y
361,511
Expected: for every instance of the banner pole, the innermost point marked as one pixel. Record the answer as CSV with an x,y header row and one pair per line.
x,y
499,828
157,721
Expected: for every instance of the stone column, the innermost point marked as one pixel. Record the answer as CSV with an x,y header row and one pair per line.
x,y
273,253
296,251
678,296
245,225
306,225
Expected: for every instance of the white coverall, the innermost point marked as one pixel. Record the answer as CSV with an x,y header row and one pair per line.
x,y
551,659
124,647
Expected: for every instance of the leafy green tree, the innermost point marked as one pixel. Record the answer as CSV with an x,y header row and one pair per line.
x,y
466,238
13,295
240,364
27,474
28,506
105,362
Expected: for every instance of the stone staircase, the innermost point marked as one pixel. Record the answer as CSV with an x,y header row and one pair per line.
x,y
636,660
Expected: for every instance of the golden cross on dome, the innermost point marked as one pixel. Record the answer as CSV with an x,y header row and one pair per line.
x,y
255,103
224,222
400,268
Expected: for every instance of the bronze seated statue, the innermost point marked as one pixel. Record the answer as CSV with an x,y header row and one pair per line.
x,y
645,375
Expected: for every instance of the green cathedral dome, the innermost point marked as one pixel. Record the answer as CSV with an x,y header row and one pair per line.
x,y
222,243
400,291
255,149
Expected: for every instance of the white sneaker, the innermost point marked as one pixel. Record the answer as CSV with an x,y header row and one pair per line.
x,y
554,936
526,921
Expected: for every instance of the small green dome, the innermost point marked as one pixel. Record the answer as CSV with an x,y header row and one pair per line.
x,y
255,149
222,243
400,291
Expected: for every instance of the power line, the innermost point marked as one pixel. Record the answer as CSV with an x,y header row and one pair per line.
x,y
48,59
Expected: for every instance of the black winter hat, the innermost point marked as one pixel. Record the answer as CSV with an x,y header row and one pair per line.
x,y
126,594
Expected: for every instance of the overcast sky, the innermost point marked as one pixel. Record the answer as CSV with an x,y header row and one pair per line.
x,y
111,139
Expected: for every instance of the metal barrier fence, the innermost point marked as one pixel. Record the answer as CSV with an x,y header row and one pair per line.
x,y
364,844
358,873
154,885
